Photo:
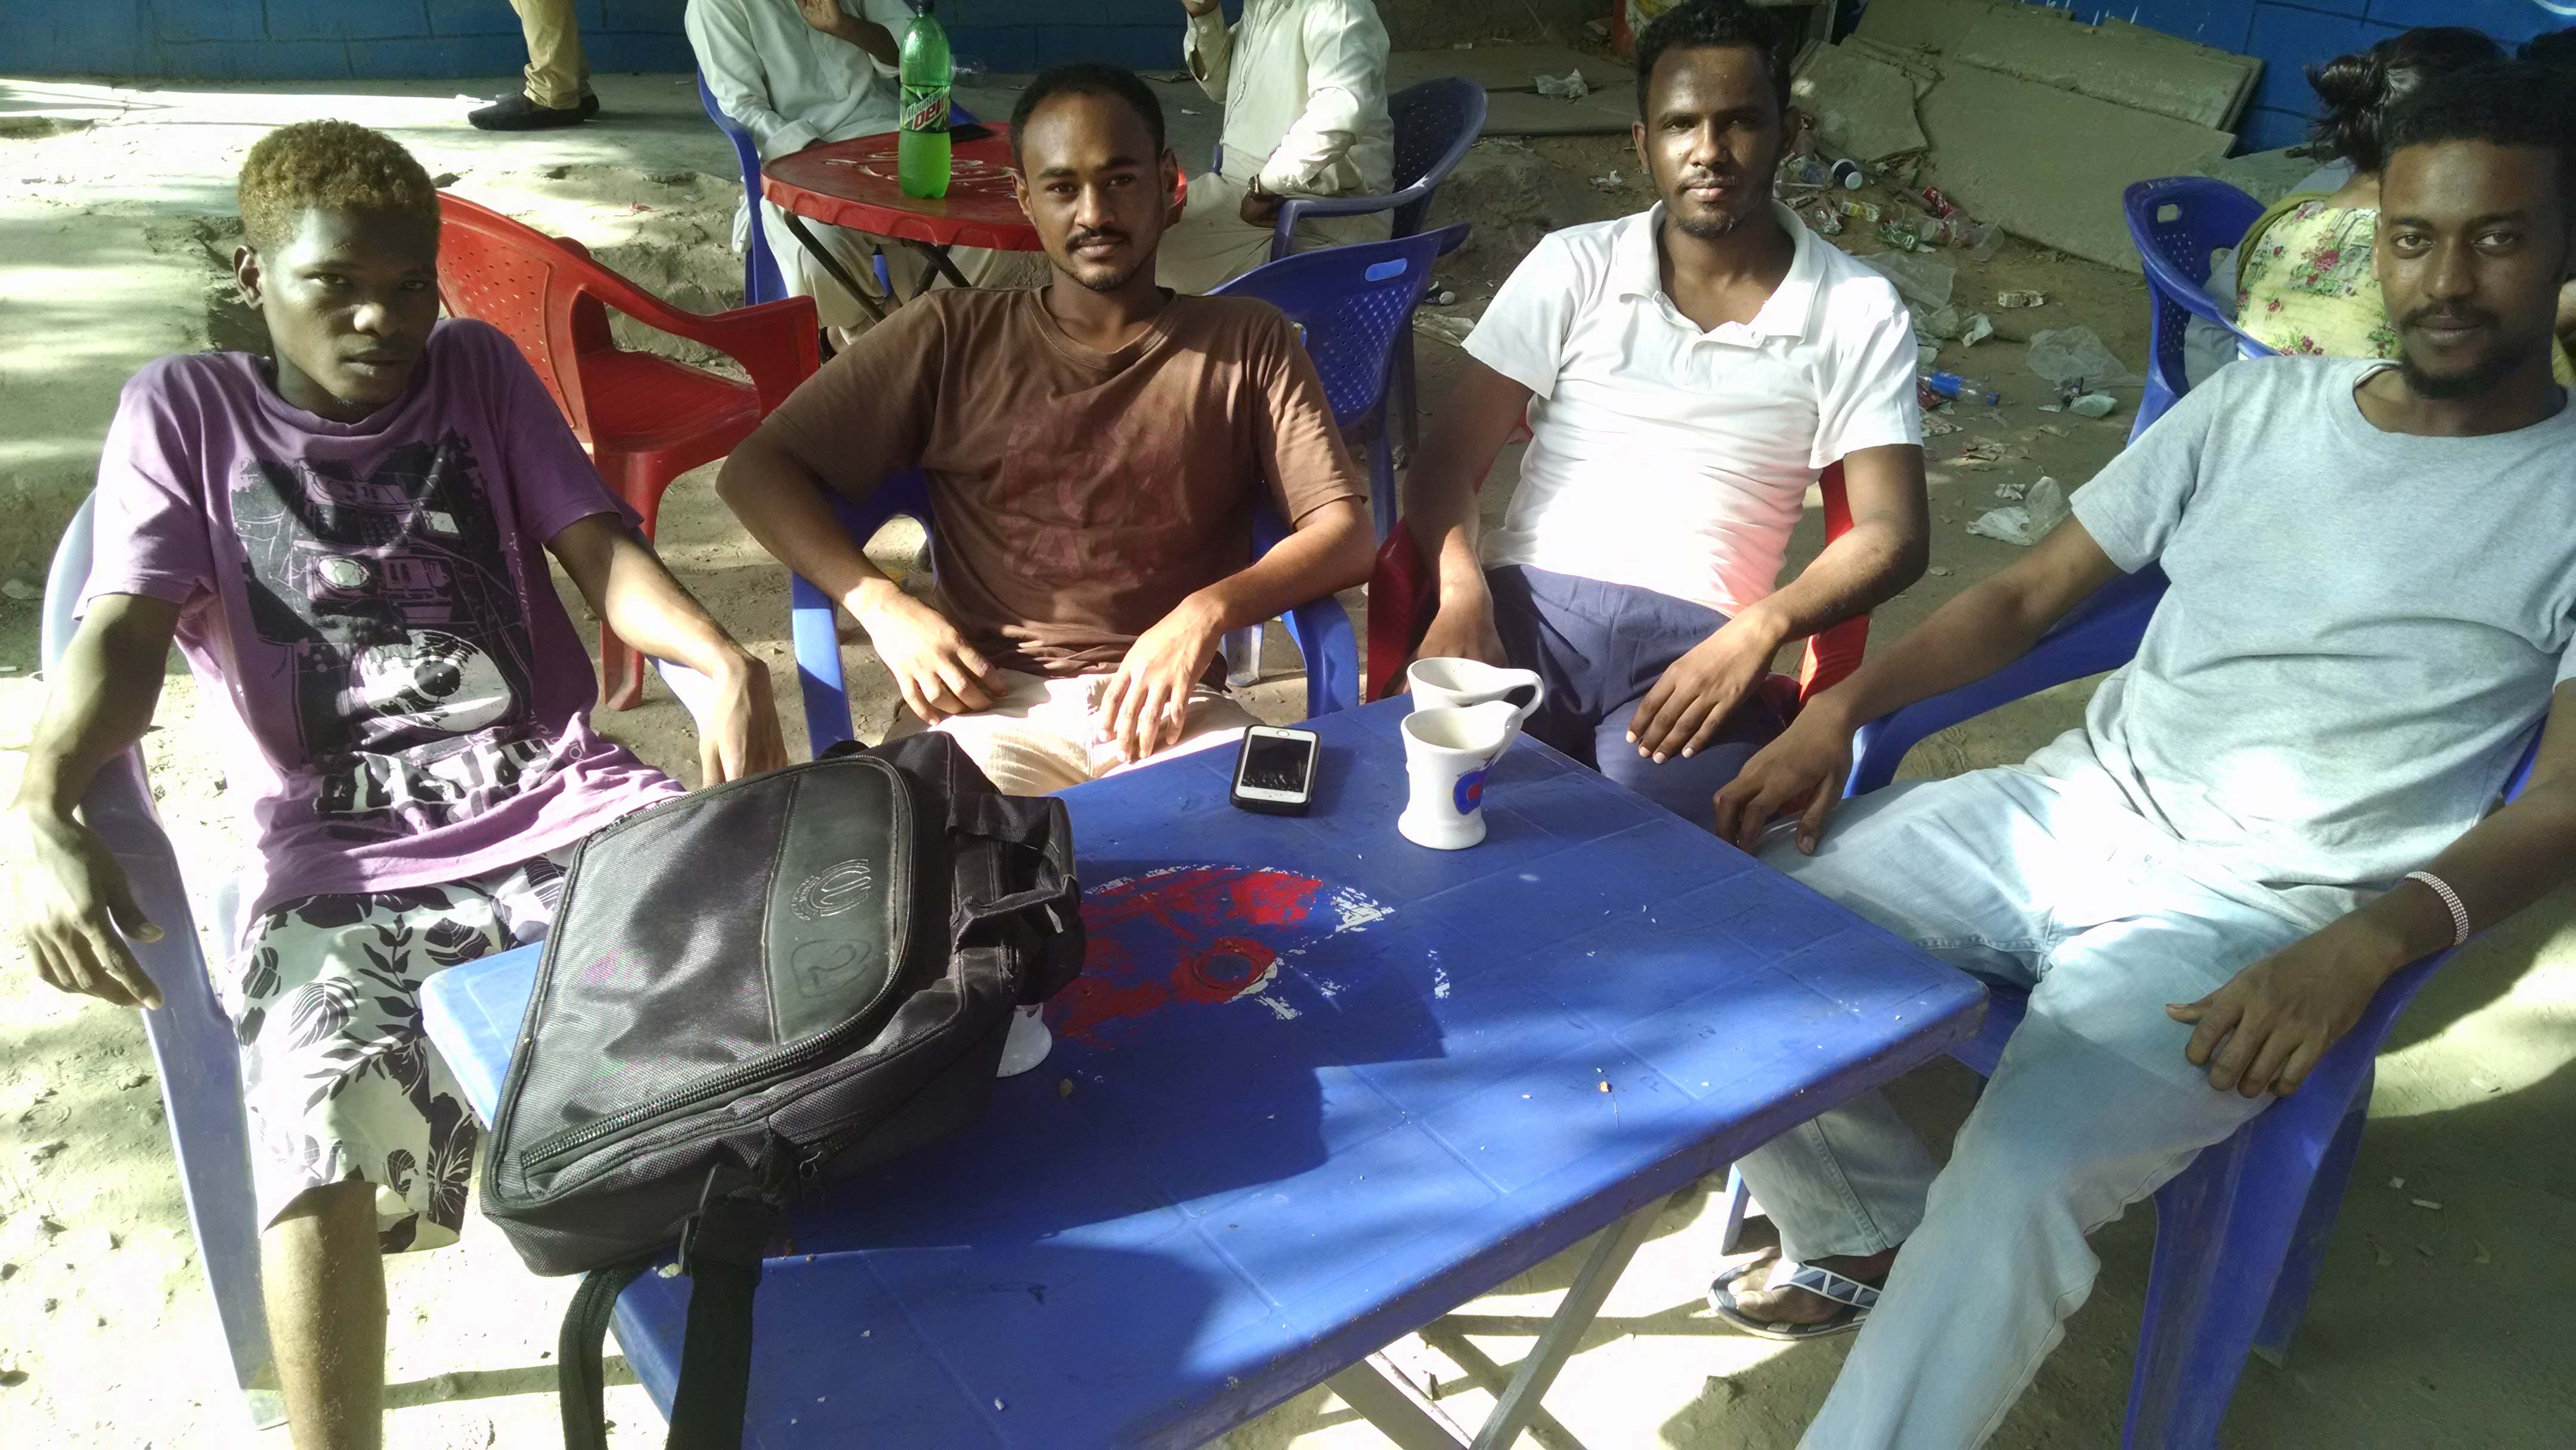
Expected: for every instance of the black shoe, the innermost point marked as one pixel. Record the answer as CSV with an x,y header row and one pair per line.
x,y
515,112
589,104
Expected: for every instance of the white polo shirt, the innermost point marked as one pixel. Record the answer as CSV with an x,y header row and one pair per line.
x,y
1674,459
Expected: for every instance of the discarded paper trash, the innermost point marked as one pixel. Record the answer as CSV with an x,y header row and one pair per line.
x,y
2068,356
1977,329
2021,299
1568,87
2093,405
2027,522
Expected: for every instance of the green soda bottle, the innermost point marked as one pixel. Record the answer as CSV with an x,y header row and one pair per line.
x,y
921,142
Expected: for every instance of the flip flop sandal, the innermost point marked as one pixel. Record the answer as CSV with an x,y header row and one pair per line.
x,y
1853,1299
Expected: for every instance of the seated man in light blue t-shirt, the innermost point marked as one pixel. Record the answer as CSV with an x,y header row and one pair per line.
x,y
2283,798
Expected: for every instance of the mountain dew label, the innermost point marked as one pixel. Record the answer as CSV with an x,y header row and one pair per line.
x,y
925,108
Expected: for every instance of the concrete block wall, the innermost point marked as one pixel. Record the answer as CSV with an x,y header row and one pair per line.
x,y
2291,35
409,39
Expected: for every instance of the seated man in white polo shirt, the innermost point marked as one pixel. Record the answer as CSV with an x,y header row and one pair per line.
x,y
1687,374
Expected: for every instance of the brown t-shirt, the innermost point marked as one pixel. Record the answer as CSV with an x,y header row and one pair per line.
x,y
1080,495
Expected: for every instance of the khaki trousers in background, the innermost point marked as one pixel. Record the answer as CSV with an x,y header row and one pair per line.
x,y
1211,243
556,75
1039,737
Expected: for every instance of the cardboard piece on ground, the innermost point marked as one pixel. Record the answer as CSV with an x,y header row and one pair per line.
x,y
1863,107
2187,82
1509,74
2049,164
1933,24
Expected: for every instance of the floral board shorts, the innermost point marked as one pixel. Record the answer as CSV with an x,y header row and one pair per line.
x,y
338,1080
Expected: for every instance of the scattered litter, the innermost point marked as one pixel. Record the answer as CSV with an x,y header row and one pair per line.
x,y
2397,1183
1447,328
1863,211
1442,298
1938,573
1920,279
2021,299
1609,182
1849,175
1941,322
1982,450
1978,328
1953,386
1824,220
8,670
2010,491
20,590
1936,426
2426,1203
1568,87
2027,522
2072,356
42,1151
2093,405
2480,1257
1064,1087
2053,431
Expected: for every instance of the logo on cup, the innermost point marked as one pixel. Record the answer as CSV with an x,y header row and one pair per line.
x,y
1469,793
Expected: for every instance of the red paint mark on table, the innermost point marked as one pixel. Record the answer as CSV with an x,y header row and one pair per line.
x,y
1204,935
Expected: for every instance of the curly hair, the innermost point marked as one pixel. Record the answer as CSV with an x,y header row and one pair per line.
x,y
331,166
2506,103
2361,89
1713,23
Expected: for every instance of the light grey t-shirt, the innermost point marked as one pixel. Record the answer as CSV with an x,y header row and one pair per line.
x,y
2362,631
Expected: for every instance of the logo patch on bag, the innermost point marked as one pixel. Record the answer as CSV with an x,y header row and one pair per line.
x,y
833,890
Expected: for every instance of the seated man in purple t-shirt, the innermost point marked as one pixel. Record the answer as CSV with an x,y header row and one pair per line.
x,y
348,541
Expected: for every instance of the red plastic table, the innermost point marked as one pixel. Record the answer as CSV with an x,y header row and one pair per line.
x,y
853,184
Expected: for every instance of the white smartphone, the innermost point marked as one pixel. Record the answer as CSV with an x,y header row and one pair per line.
x,y
1275,771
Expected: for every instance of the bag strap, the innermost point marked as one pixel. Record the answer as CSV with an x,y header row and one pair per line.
x,y
720,1252
580,1383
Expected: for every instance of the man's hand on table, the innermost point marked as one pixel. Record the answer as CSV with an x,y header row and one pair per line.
x,y
1699,690
1803,771
939,673
2267,1027
74,909
1146,703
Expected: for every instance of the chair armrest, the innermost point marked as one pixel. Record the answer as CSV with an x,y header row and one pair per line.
x,y
1320,629
2102,634
776,342
1297,208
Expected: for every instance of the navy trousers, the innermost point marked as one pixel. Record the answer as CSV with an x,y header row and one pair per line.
x,y
1600,647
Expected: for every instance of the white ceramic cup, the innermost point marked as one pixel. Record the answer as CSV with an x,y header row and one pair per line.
x,y
1444,683
1027,1045
1447,751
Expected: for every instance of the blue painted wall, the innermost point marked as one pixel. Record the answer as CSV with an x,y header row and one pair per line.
x,y
2290,35
406,39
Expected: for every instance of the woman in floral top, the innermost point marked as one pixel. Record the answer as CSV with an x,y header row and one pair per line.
x,y
2304,279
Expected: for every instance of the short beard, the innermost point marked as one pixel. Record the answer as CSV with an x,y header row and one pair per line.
x,y
2479,377
1706,228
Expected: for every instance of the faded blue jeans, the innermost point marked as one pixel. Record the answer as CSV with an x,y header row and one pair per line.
x,y
2055,886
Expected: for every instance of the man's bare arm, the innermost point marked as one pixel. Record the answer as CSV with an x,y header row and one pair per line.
x,y
1987,626
1882,552
1440,506
2265,1029
828,17
70,900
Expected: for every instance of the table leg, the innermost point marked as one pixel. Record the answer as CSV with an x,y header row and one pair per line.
x,y
939,263
1556,1343
1388,1400
832,265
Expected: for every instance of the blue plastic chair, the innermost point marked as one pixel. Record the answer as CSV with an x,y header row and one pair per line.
x,y
193,1048
1354,306
761,279
1434,124
2177,223
1319,628
2241,1233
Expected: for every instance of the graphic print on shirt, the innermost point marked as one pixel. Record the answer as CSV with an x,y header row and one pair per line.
x,y
410,655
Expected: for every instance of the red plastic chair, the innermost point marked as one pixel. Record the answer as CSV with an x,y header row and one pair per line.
x,y
645,419
1401,598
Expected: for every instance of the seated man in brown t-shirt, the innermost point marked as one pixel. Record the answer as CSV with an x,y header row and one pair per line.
x,y
1095,449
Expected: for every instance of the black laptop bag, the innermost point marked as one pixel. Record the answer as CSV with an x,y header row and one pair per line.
x,y
748,989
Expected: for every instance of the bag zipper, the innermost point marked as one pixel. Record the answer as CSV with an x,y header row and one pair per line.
x,y
565,1144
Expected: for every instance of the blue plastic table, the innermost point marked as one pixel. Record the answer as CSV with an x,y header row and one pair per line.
x,y
1317,1087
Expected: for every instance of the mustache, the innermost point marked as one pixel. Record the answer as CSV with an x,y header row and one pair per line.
x,y
1097,234
2438,315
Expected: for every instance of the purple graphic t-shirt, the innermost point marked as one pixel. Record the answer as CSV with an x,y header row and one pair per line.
x,y
410,702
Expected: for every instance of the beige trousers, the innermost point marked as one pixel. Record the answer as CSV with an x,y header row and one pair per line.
x,y
1211,243
1041,736
557,75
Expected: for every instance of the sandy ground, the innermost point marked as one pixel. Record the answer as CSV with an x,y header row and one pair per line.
x,y
2433,1326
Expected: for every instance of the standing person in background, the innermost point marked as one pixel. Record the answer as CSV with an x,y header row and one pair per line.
x,y
557,88
1304,88
798,73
